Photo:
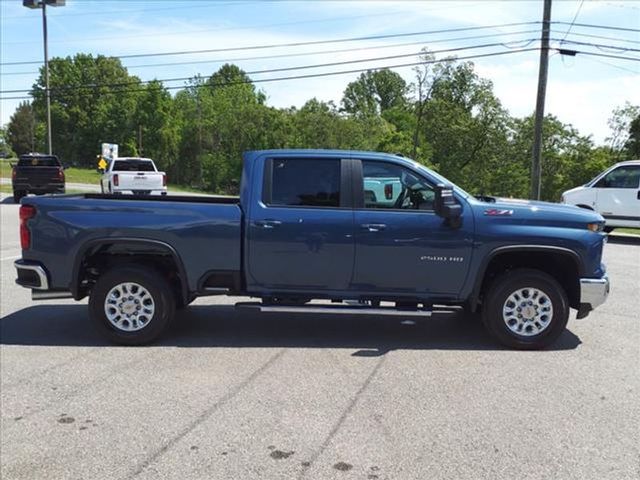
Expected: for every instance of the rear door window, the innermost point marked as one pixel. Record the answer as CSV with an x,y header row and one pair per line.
x,y
304,182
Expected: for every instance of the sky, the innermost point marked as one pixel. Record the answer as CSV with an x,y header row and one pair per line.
x,y
582,90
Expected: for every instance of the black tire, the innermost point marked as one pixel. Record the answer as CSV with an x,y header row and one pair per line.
x,y
157,287
17,195
500,291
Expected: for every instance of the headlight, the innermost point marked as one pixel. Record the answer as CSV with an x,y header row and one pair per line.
x,y
596,226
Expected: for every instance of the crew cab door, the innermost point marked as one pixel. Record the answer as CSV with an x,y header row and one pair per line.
x,y
402,246
618,194
300,231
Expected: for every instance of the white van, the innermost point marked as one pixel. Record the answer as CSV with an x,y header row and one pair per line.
x,y
614,194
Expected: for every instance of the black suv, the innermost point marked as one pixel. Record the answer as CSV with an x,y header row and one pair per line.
x,y
37,173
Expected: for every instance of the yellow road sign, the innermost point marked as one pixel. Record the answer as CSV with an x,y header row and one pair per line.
x,y
102,164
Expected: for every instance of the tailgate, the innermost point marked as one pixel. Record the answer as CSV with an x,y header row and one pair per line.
x,y
140,180
38,176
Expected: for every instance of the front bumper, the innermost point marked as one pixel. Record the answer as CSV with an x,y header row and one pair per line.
x,y
593,293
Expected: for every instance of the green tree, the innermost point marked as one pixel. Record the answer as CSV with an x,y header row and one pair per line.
x,y
220,118
620,126
632,145
374,92
466,129
5,147
93,100
24,134
157,131
568,159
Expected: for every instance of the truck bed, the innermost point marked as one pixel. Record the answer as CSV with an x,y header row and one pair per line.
x,y
204,232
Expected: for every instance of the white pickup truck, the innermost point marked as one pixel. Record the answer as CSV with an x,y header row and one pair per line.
x,y
133,174
614,194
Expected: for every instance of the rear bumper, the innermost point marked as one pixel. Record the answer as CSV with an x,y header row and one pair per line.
x,y
39,188
31,275
593,293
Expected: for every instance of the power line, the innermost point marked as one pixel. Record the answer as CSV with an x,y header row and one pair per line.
x,y
283,69
619,67
601,37
599,45
604,27
314,75
306,54
573,21
605,55
300,44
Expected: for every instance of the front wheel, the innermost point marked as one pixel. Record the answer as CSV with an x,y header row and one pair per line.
x,y
526,309
132,305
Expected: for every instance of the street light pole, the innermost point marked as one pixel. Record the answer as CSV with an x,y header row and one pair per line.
x,y
33,4
46,75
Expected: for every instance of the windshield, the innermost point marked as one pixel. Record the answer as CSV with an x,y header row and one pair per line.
x,y
133,166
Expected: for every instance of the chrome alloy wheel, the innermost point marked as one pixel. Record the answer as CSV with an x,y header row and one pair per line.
x,y
129,307
528,311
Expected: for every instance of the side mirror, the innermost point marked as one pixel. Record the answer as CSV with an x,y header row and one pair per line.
x,y
446,206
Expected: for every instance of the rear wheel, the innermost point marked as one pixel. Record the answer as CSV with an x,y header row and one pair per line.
x,y
132,305
526,309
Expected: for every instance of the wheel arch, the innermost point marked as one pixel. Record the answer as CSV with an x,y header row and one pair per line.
x,y
561,263
127,250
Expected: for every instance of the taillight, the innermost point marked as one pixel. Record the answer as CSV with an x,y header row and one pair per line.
x,y
26,212
61,174
116,180
164,180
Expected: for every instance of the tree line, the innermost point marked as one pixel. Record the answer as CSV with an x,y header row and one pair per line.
x,y
448,118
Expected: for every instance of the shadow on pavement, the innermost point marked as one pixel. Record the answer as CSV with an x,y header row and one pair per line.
x,y
223,326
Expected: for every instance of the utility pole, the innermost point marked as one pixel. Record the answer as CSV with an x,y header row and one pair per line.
x,y
46,75
542,91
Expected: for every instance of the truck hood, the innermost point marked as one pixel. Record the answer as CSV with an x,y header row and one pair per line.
x,y
538,212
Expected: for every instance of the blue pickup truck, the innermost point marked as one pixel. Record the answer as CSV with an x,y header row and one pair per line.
x,y
370,233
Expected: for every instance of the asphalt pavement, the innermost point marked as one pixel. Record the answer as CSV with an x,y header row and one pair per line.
x,y
228,395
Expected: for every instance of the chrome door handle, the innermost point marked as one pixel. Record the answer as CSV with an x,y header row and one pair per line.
x,y
267,223
373,227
